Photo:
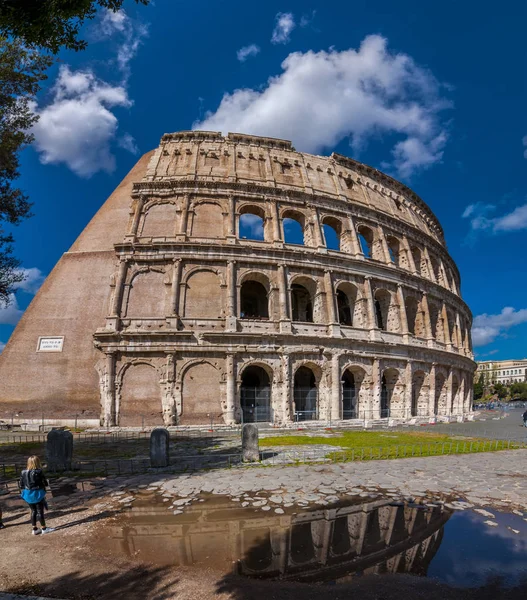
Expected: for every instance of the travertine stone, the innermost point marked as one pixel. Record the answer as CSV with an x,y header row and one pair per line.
x,y
59,450
170,316
250,448
159,448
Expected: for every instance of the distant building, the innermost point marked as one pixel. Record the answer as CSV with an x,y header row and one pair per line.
x,y
502,371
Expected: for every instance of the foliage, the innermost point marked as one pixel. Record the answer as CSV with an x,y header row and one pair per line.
x,y
52,24
501,390
479,388
21,71
518,390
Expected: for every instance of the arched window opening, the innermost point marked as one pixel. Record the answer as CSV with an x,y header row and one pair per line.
x,y
344,308
455,390
302,303
417,256
365,235
255,395
385,399
394,248
305,395
412,309
251,227
440,395
382,303
419,397
253,301
349,396
332,233
436,269
294,227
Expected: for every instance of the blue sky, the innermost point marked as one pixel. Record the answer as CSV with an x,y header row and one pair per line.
x,y
433,94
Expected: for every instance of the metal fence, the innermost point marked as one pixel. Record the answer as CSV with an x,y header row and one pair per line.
x,y
256,405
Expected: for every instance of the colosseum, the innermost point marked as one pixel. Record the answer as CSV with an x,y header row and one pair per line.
x,y
234,279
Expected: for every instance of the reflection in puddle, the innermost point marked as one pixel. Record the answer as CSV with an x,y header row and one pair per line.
x,y
330,544
68,488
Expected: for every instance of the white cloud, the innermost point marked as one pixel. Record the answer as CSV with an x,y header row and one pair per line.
x,y
515,220
253,223
486,328
524,141
285,23
127,142
247,51
2,346
306,20
320,98
11,313
78,126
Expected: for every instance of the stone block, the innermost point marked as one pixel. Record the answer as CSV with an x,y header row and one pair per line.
x,y
159,448
250,449
59,450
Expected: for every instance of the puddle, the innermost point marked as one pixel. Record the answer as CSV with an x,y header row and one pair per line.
x,y
68,488
327,545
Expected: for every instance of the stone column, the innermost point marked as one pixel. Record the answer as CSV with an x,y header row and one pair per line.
x,y
372,325
230,416
446,327
427,320
287,382
408,390
336,404
176,281
319,238
330,297
183,219
231,228
375,399
385,248
159,448
277,230
459,336
137,215
411,262
402,312
355,245
250,448
119,286
108,392
285,316
432,393
429,269
231,320
449,385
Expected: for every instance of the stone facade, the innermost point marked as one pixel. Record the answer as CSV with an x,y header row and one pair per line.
x,y
184,321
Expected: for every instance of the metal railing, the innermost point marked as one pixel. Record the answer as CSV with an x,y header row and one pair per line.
x,y
256,405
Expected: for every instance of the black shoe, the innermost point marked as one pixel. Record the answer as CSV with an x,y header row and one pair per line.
x,y
2,526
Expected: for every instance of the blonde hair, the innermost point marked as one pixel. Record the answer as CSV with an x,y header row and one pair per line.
x,y
33,462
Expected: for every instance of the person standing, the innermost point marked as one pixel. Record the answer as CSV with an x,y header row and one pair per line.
x,y
525,419
2,526
33,490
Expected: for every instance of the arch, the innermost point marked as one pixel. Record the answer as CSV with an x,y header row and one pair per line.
x,y
332,229
305,394
254,303
348,305
252,223
351,383
394,250
366,239
420,394
305,302
455,391
389,381
294,227
255,394
440,398
207,220
201,394
146,294
140,396
204,295
436,270
159,219
436,322
419,261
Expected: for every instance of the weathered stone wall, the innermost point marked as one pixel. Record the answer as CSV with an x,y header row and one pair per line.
x,y
169,315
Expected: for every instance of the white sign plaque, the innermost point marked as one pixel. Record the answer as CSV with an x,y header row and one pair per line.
x,y
50,344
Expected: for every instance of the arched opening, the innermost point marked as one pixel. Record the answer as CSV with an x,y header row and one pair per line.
x,y
251,225
301,303
203,296
415,317
417,256
349,396
253,301
159,221
293,227
201,395
436,322
140,404
366,238
255,395
146,297
419,395
455,392
348,305
436,269
382,302
332,233
305,395
389,380
394,249
207,220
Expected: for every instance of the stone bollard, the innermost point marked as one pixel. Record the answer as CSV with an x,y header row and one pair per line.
x,y
250,450
59,450
159,448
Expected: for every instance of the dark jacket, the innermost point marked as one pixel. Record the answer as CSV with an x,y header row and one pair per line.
x,y
525,416
33,479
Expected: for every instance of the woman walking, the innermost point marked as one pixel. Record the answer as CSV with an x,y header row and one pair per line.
x,y
33,490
